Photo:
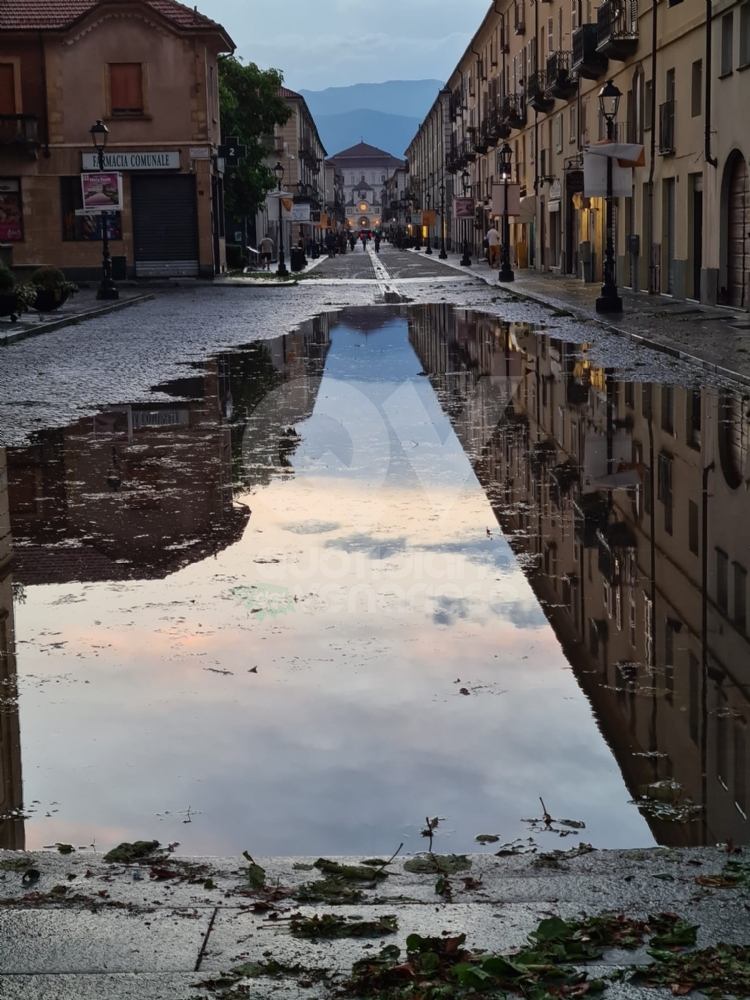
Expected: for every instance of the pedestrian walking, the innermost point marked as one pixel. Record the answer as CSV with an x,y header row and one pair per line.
x,y
266,252
342,242
377,242
493,246
331,243
363,237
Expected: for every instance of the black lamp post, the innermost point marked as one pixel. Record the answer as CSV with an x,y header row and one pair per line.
x,y
107,289
506,271
443,255
609,301
282,268
428,202
466,259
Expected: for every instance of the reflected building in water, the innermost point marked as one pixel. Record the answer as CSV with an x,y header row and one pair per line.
x,y
627,505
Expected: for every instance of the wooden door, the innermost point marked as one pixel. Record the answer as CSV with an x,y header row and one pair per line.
x,y
738,250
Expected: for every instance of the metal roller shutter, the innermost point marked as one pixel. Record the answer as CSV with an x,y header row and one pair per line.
x,y
738,250
165,225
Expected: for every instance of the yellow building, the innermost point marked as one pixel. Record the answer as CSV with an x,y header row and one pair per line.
x,y
531,77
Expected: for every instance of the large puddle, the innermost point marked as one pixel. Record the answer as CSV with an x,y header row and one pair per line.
x,y
396,564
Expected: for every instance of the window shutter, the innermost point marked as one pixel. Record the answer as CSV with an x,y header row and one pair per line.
x,y
559,132
573,122
574,15
532,144
550,36
126,88
560,29
584,119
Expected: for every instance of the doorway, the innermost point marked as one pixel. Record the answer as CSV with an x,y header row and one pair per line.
x,y
738,238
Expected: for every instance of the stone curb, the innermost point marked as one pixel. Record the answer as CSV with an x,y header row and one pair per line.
x,y
13,338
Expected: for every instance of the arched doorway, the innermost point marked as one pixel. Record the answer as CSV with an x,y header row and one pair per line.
x,y
738,235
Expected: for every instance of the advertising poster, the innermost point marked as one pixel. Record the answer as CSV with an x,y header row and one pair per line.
x,y
11,214
463,208
102,192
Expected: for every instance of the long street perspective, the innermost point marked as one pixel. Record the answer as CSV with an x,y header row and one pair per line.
x,y
374,530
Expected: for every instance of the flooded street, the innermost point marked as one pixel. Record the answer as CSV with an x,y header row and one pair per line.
x,y
401,562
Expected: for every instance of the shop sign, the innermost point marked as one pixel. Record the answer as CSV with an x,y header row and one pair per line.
x,y
301,212
555,190
11,211
102,192
463,208
119,160
416,218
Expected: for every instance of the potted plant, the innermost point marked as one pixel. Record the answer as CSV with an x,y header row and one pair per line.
x,y
10,304
51,288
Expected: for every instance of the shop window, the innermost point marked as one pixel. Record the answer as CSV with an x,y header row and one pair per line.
x,y
7,89
126,89
11,210
83,227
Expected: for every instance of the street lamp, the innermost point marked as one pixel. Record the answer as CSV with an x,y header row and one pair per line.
x,y
428,203
443,254
506,271
282,268
466,259
107,289
609,301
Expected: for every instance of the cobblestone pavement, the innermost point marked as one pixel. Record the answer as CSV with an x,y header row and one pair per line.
x,y
76,309
353,264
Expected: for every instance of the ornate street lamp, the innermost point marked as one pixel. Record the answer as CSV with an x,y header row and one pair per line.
x,y
282,268
107,289
428,202
506,271
466,259
443,254
609,301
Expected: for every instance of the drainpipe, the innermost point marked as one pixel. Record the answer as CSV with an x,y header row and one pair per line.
x,y
43,61
704,637
707,110
652,165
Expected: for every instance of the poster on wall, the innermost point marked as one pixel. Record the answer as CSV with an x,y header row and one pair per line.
x,y
11,211
463,208
102,192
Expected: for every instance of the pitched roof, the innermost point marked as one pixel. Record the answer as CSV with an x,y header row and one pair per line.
x,y
41,15
365,152
290,94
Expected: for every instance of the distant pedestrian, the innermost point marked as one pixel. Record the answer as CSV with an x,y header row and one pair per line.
x,y
342,242
266,252
352,241
377,242
363,237
331,243
493,246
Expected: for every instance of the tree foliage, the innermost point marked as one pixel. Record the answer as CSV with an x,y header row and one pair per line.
x,y
250,108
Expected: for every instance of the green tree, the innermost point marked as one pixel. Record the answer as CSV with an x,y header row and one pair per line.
x,y
250,108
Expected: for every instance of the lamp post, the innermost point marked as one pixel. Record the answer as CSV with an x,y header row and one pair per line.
x,y
282,268
107,289
443,255
506,271
609,301
428,202
466,259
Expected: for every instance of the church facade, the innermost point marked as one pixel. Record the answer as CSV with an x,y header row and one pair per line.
x,y
365,170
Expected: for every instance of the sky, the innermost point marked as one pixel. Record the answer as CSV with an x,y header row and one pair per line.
x,y
335,43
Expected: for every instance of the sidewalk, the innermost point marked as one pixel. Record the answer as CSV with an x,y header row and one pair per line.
x,y
180,928
78,308
717,339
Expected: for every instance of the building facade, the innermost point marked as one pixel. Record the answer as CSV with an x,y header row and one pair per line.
x,y
531,77
148,69
365,170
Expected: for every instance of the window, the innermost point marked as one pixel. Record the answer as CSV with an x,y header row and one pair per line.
x,y
532,144
11,210
648,630
745,35
7,89
573,123
551,35
559,132
694,695
722,581
727,43
126,88
646,400
696,90
648,97
693,418
693,527
664,488
669,660
629,393
574,14
667,408
740,597
83,227
740,767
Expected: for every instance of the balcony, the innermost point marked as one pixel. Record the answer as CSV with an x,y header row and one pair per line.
x,y
469,153
308,156
561,82
587,62
617,29
519,17
666,128
513,111
480,140
19,130
497,128
537,93
454,158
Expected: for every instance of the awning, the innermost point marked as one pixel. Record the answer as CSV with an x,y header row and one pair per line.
x,y
528,209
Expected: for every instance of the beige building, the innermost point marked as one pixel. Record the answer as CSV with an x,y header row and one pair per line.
x,y
365,170
148,69
531,77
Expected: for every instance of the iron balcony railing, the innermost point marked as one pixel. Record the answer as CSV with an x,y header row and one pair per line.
x,y
536,90
666,128
617,27
587,62
513,111
21,130
561,81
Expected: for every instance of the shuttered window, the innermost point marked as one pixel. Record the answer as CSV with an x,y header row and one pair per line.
x,y
532,145
573,121
727,43
559,132
126,88
550,36
7,89
560,28
574,15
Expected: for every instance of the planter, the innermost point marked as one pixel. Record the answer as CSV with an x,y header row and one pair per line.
x,y
49,299
9,305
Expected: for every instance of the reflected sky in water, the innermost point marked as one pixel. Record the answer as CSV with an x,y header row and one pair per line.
x,y
280,615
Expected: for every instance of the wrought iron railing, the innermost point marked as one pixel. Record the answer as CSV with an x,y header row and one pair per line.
x,y
22,130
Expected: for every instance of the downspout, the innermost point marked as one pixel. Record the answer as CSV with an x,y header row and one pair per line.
x,y
704,634
707,110
43,61
652,164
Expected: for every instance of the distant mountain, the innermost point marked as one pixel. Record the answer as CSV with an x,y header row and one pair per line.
x,y
412,98
393,133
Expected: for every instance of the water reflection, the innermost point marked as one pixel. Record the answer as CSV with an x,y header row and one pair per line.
x,y
370,580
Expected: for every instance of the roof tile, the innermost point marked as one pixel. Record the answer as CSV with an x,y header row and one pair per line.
x,y
35,15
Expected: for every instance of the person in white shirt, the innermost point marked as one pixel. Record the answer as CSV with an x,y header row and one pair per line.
x,y
266,252
493,246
